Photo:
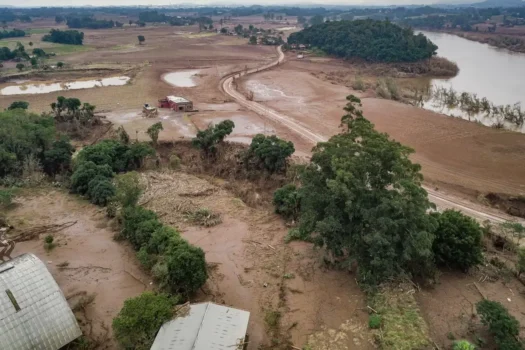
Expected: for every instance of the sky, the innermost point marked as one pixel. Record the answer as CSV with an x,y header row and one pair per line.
x,y
27,3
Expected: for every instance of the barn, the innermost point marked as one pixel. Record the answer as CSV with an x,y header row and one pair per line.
x,y
34,314
176,103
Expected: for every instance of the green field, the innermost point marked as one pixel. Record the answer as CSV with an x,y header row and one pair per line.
x,y
39,31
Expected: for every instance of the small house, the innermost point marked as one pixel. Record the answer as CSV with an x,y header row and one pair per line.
x,y
176,103
34,314
206,326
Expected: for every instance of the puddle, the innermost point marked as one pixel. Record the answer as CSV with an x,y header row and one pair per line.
x,y
286,28
31,89
181,78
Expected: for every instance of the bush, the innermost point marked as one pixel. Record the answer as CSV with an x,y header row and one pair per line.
x,y
270,152
132,218
374,321
86,172
287,202
186,269
18,104
463,345
147,260
100,190
164,239
128,189
503,326
144,231
520,265
139,320
457,242
6,197
174,162
153,132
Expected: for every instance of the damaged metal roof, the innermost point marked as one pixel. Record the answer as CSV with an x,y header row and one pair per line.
x,y
207,326
34,314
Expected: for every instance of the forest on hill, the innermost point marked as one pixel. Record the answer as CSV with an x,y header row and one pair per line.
x,y
371,40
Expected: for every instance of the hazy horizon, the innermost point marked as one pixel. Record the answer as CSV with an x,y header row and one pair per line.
x,y
94,3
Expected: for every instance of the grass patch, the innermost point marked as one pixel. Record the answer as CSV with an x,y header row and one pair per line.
x,y
272,319
402,327
39,30
63,49
204,217
199,35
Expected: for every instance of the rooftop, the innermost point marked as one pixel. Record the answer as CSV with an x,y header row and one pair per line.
x,y
207,326
34,314
177,99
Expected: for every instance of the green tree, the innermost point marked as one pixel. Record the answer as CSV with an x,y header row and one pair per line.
x,y
463,345
270,152
141,39
34,62
208,139
362,196
132,218
163,240
503,326
100,190
57,159
137,324
85,172
457,242
128,189
39,52
18,104
253,40
520,265
20,66
153,132
186,269
287,202
60,64
317,19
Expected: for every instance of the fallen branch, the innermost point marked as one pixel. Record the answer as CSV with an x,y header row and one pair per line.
x,y
34,232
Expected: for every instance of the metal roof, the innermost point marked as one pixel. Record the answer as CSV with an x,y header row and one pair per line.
x,y
177,99
207,326
34,314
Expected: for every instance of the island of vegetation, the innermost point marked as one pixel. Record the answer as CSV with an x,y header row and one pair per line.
x,y
371,40
71,37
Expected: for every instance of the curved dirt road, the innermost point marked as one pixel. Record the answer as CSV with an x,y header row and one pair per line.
x,y
442,200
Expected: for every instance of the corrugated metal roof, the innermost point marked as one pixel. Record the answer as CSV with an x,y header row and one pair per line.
x,y
43,320
177,99
207,326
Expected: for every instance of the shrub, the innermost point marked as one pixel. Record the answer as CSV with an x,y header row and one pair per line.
x,y
186,269
86,172
147,260
174,162
270,152
463,345
374,321
208,139
128,189
60,64
164,239
287,202
6,197
18,104
358,84
144,232
132,218
204,217
503,326
520,265
100,190
457,242
139,320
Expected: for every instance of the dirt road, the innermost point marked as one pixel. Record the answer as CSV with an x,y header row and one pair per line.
x,y
442,200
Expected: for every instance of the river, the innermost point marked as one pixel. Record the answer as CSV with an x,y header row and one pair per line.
x,y
493,73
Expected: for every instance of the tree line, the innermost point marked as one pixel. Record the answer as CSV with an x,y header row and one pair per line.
x,y
376,41
14,33
70,37
90,22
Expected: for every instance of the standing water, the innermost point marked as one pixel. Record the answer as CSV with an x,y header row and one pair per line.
x,y
485,72
181,79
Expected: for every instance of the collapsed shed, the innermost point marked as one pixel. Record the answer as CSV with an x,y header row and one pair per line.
x,y
206,326
34,314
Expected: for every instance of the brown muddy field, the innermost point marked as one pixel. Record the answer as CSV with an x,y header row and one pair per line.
x,y
247,255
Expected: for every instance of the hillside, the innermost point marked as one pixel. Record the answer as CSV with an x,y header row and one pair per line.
x,y
371,40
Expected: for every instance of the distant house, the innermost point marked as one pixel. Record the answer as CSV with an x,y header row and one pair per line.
x,y
206,326
176,103
34,314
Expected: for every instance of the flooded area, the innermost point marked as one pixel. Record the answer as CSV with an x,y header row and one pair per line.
x,y
182,78
22,88
489,75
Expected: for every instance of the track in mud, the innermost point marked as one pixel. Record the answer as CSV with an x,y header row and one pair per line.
x,y
442,200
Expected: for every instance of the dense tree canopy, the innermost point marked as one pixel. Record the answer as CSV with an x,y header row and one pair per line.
x,y
361,198
71,37
209,138
14,33
269,152
88,22
377,41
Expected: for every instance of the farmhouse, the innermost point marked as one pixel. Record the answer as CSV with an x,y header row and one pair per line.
x,y
34,314
206,326
176,103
